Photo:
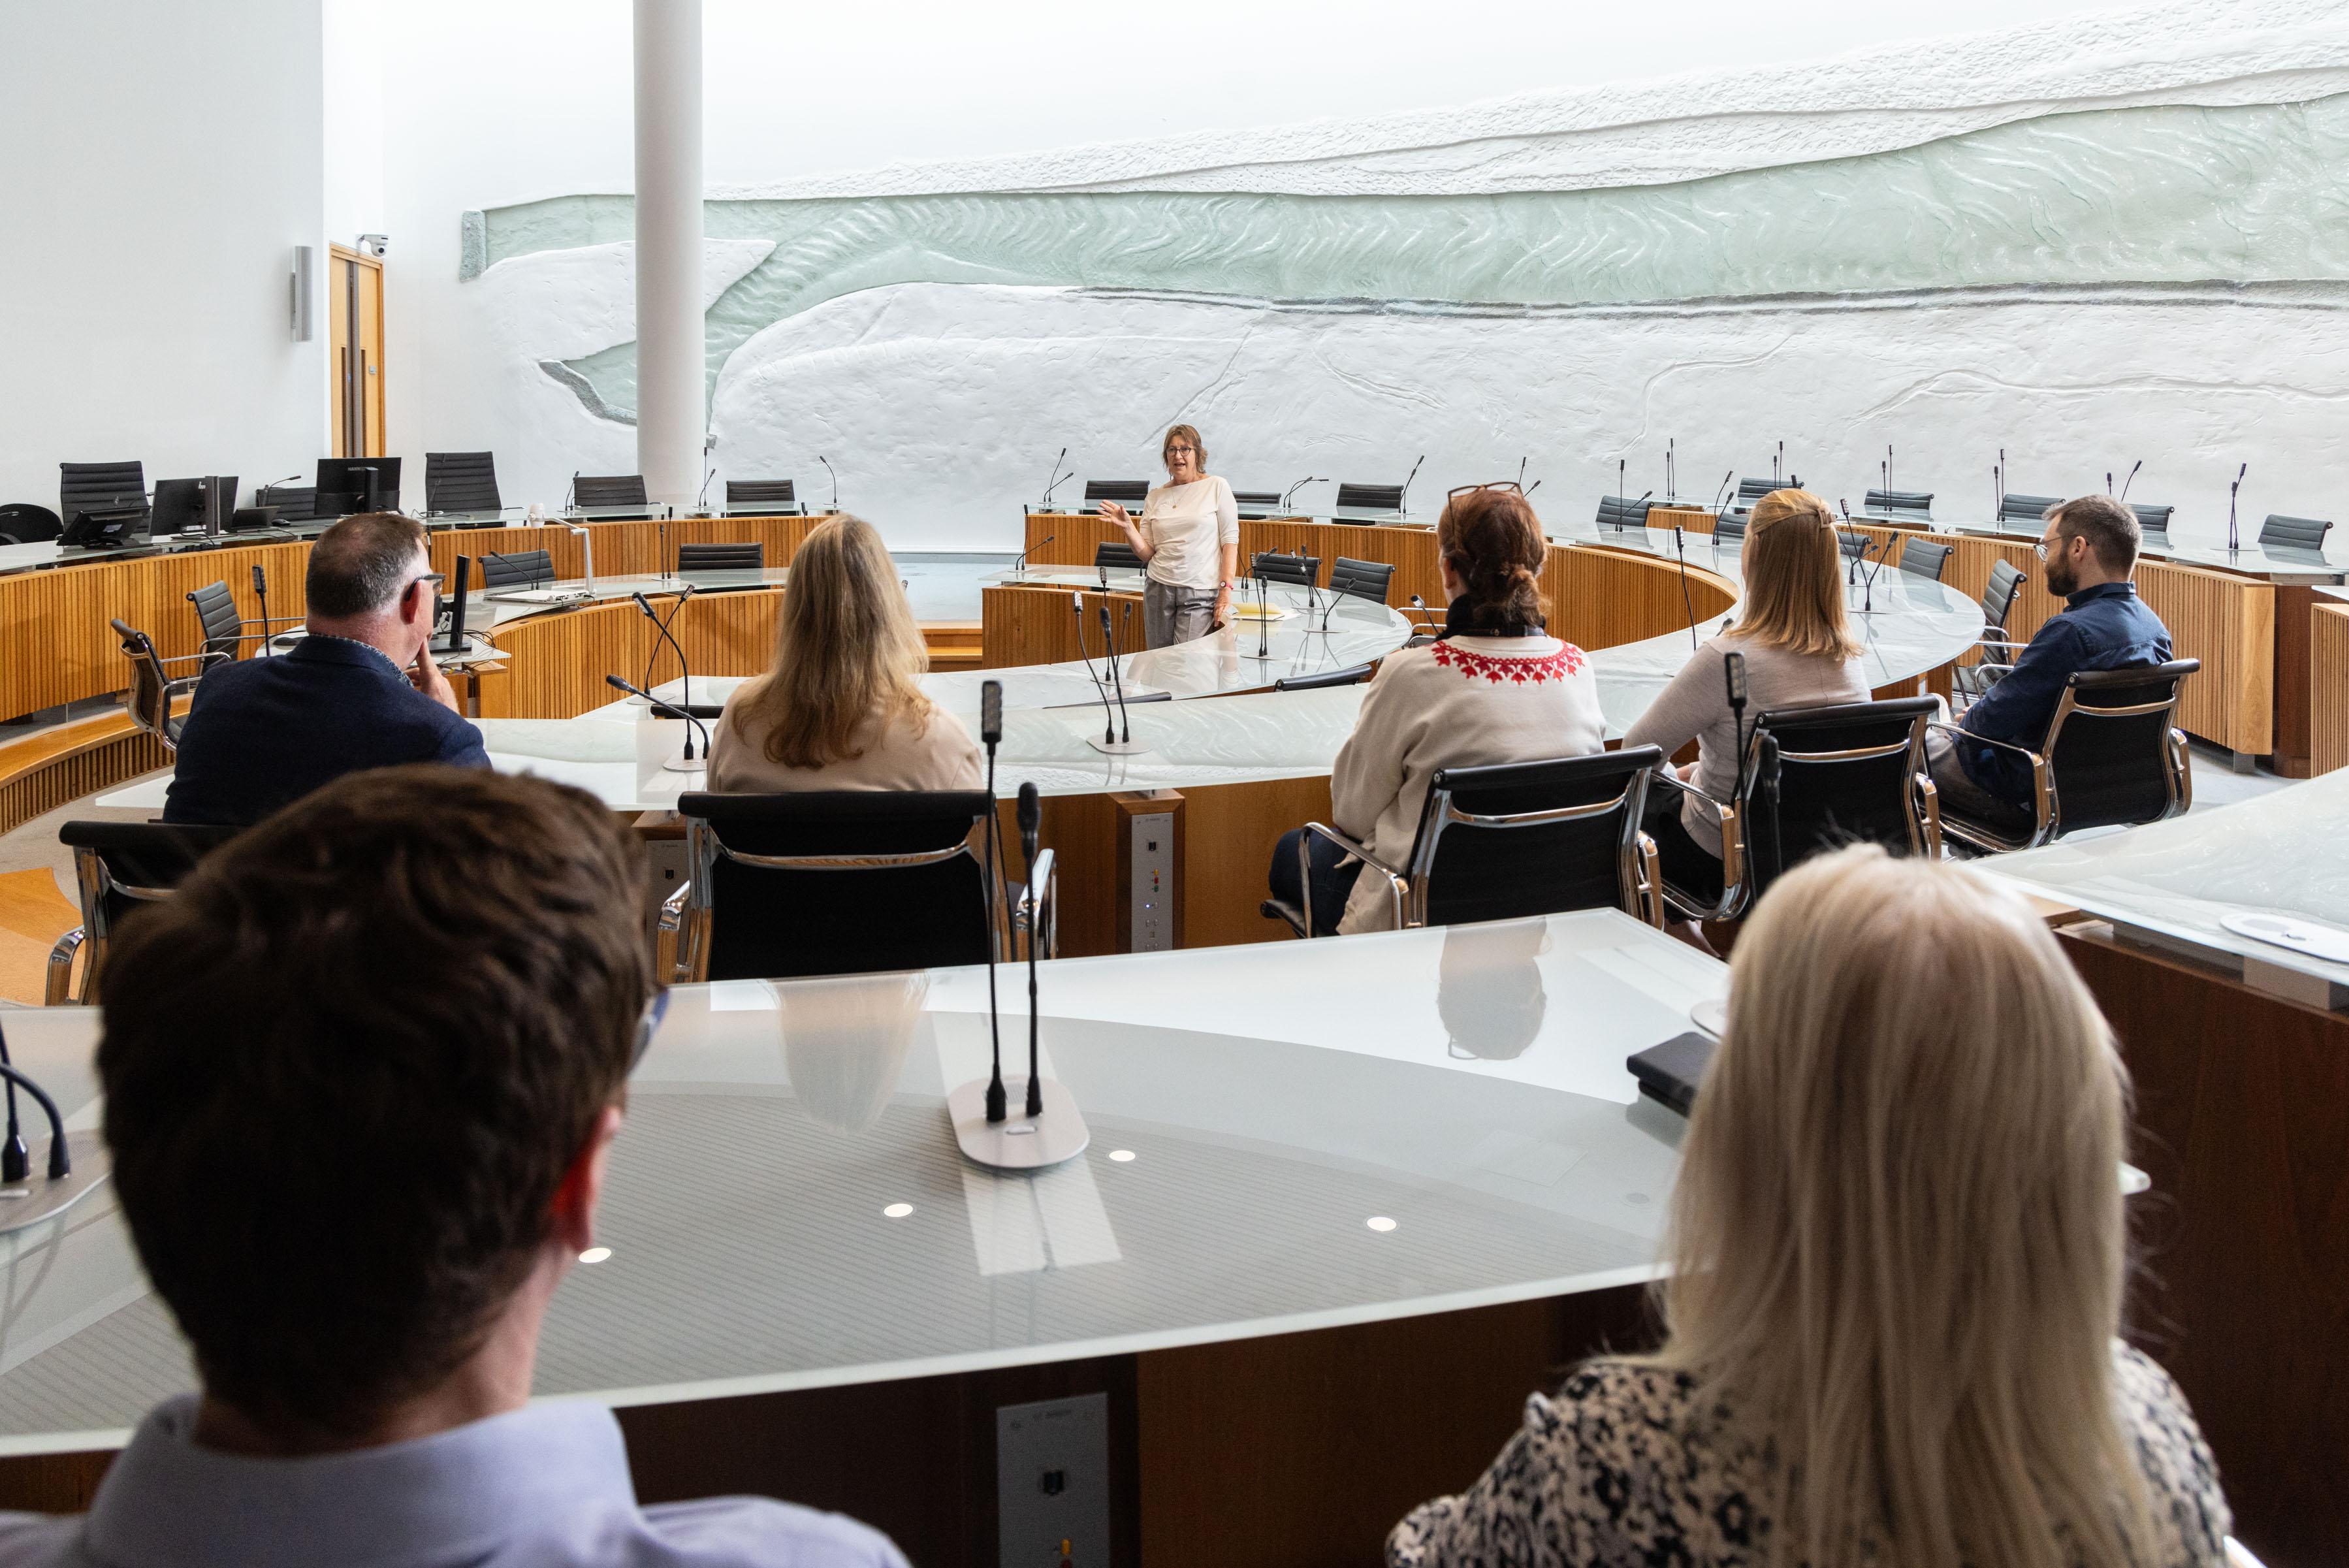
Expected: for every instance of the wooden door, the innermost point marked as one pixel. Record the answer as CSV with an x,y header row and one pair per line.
x,y
354,315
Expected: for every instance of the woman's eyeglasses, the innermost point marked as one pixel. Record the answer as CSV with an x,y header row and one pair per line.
x,y
1460,489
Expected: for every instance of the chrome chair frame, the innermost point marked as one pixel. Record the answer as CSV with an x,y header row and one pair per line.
x,y
2047,799
159,688
97,884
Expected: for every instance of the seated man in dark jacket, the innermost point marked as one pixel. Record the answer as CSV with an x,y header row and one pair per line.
x,y
2090,549
360,691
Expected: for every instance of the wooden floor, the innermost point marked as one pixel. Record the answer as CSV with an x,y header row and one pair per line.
x,y
33,914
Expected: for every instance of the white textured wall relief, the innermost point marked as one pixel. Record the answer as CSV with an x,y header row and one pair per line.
x,y
2087,242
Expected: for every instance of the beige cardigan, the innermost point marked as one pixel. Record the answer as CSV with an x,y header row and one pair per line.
x,y
1457,703
905,754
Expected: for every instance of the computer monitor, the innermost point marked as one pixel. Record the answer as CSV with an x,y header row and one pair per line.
x,y
186,506
348,484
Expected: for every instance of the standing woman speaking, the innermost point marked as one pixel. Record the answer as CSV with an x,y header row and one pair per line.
x,y
1189,539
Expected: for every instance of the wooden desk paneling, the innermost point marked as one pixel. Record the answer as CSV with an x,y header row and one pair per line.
x,y
2328,686
556,663
622,549
2228,623
2296,631
2242,1117
1036,626
1601,597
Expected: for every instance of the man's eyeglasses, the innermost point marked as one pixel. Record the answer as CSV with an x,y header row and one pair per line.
x,y
649,1025
435,578
1460,489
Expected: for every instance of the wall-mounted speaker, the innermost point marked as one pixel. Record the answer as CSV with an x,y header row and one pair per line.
x,y
299,285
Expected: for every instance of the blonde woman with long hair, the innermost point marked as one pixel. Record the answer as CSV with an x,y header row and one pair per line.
x,y
1800,652
1898,1254
843,706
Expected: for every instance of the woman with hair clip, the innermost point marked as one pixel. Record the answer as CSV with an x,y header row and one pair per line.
x,y
1897,1255
844,707
1189,541
1495,688
1800,652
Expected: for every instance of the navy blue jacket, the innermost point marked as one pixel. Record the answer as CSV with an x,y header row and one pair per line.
x,y
2104,627
265,732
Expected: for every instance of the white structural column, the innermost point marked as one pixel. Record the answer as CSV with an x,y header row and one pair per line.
x,y
672,413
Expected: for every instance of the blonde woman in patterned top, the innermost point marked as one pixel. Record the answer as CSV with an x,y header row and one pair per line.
x,y
1898,1249
1496,688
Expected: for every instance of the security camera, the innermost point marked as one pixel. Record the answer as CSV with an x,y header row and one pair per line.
x,y
374,245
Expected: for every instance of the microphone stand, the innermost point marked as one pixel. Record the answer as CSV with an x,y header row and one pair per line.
x,y
668,711
587,554
1109,744
664,546
2234,538
260,592
1019,566
1400,504
1030,817
1290,494
700,502
1680,548
1865,577
1116,675
685,670
990,734
834,477
1263,621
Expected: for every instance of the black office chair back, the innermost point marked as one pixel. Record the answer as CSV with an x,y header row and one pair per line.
x,y
149,701
518,569
1729,529
1351,675
1124,492
99,487
2278,531
1750,491
1619,512
220,622
897,881
25,523
1908,506
1370,497
2153,521
294,502
2006,580
1512,839
2108,747
721,557
123,864
1256,498
1276,567
1854,544
1111,556
460,481
1923,558
608,490
1822,777
760,492
1364,579
2025,508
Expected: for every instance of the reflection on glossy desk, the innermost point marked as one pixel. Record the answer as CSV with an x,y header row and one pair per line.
x,y
1253,1111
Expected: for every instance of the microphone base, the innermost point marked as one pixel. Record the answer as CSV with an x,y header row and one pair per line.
x,y
1116,749
35,1199
1018,1142
681,765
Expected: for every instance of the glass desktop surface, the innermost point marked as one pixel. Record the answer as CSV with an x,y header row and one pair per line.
x,y
1463,1087
2251,560
2283,853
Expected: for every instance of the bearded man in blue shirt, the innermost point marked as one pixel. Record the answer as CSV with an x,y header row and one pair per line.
x,y
2090,550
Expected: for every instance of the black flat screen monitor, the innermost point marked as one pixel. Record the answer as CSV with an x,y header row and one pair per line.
x,y
181,504
101,526
348,484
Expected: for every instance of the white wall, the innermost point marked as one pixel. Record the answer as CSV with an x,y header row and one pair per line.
x,y
163,160
353,38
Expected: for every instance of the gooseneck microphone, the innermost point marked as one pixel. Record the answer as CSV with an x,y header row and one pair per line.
x,y
571,491
1031,817
1407,478
1733,669
701,502
1055,479
666,710
1680,548
684,669
1020,565
990,735
1718,496
1865,574
1290,494
2132,478
834,477
1116,678
1109,715
260,592
15,1159
2234,539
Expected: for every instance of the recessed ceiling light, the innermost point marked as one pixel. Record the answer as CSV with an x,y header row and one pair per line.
x,y
1380,1223
594,1254
897,1210
1121,1155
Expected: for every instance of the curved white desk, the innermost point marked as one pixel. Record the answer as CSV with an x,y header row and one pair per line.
x,y
1466,1083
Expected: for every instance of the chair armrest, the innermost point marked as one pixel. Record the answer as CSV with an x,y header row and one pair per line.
x,y
672,909
1958,732
58,987
1733,852
1396,884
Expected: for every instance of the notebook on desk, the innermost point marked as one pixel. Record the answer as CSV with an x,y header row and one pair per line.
x,y
1670,1073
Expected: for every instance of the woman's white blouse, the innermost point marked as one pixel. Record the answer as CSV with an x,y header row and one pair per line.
x,y
1187,527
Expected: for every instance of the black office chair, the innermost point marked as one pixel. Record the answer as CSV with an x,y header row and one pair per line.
x,y
1750,491
221,624
154,687
1923,558
2278,532
1127,492
1619,513
2026,508
21,522
1275,567
1111,556
2113,757
838,882
1899,505
1370,497
1513,839
1351,675
460,481
752,557
294,502
1257,500
781,493
1364,579
99,487
1730,528
2153,521
1857,546
1994,652
608,490
518,569
1817,778
120,865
